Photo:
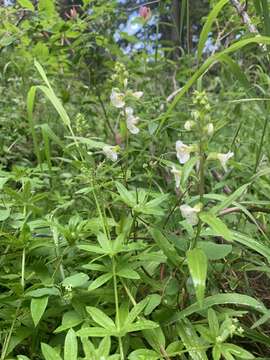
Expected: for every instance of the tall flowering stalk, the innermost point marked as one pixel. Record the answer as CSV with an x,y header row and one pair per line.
x,y
204,129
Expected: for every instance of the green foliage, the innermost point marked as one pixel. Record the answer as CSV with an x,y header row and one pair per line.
x,y
134,209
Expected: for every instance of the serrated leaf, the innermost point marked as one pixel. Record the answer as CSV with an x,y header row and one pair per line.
x,y
38,307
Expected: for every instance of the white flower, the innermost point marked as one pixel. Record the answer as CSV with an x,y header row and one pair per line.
x,y
131,121
189,125
110,152
223,158
182,151
177,176
137,94
190,213
117,98
209,129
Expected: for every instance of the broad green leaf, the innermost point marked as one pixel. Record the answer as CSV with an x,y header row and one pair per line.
x,y
75,280
144,354
71,346
100,318
49,352
208,24
99,281
22,357
141,325
26,4
43,292
128,273
38,306
70,319
197,264
220,299
215,251
95,332
154,301
217,225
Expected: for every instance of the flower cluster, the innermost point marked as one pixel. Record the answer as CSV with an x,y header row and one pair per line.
x,y
120,99
201,124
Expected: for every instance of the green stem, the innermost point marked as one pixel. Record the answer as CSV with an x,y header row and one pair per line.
x,y
117,319
261,144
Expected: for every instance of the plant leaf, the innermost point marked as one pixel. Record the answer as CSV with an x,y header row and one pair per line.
x,y
71,346
38,307
197,264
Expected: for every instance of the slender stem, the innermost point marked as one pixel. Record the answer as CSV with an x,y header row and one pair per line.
x,y
117,319
23,269
258,157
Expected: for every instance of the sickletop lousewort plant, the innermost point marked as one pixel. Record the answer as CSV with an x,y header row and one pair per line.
x,y
204,129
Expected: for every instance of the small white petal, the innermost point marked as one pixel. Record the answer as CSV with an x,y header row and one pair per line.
x,y
223,158
132,121
210,129
110,152
190,214
117,99
189,125
129,111
177,176
137,94
182,152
